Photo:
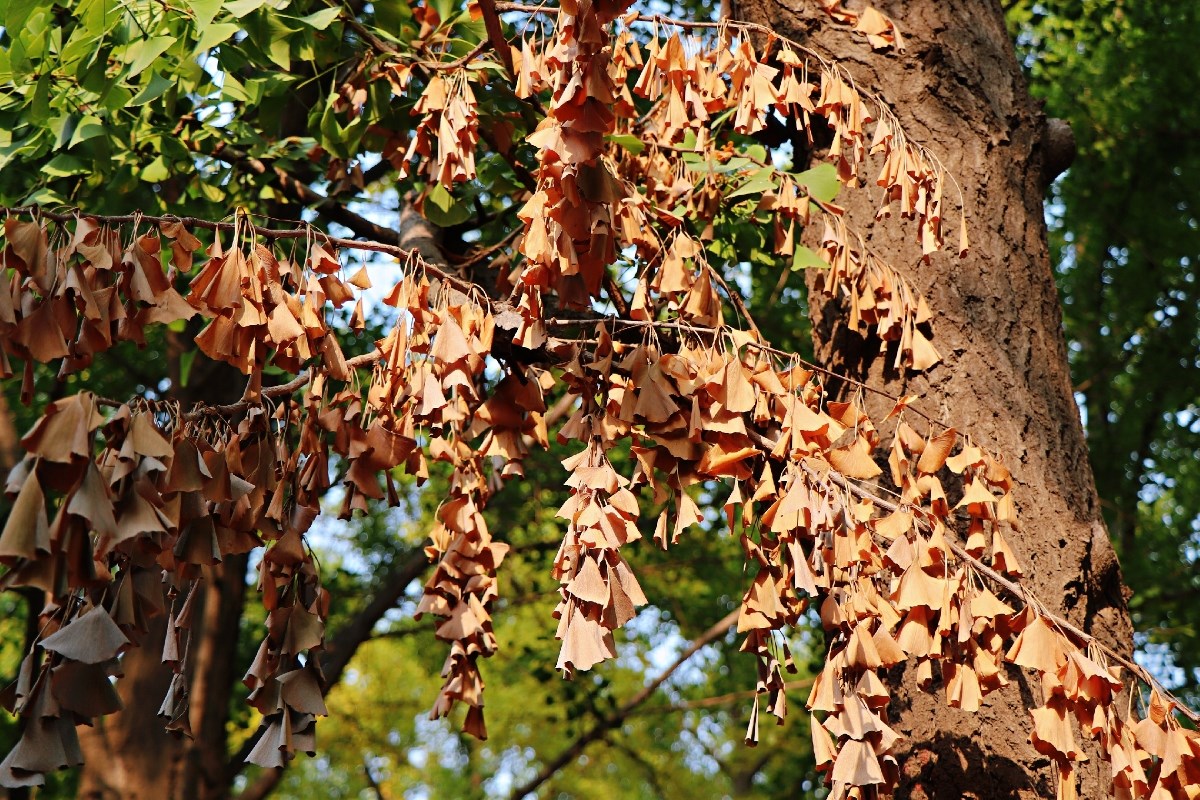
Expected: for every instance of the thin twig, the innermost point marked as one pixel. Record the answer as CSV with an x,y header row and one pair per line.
x,y
301,231
606,724
1016,590
718,700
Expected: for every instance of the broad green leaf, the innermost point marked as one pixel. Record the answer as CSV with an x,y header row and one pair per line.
x,y
89,126
320,19
762,180
240,8
442,209
631,143
445,9
732,165
232,89
757,152
821,182
142,53
205,11
804,258
17,12
62,127
44,196
214,35
274,35
152,90
39,110
63,165
157,170
391,14
210,190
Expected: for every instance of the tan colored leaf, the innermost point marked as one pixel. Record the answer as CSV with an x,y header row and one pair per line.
x,y
90,638
936,451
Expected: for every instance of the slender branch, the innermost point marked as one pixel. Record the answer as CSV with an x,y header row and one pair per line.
x,y
371,781
717,700
495,32
303,231
279,390
606,724
1016,590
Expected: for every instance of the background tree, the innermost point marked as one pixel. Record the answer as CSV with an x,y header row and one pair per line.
x,y
1123,228
270,103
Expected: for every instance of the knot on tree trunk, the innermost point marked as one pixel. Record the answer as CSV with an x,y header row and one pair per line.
x,y
1058,149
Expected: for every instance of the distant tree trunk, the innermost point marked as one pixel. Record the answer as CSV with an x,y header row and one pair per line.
x,y
130,755
959,91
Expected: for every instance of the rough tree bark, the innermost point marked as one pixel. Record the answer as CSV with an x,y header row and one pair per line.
x,y
959,91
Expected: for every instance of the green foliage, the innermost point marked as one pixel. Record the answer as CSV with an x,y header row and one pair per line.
x,y
1124,224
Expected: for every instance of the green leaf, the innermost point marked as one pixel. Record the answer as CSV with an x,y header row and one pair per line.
x,y
445,9
391,14
757,152
821,182
157,170
205,11
88,127
320,19
240,8
63,165
270,32
39,110
152,90
762,180
215,35
805,258
16,12
631,143
43,197
232,89
442,209
143,52
732,165
186,358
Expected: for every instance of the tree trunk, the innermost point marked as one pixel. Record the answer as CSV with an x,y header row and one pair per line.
x,y
958,90
130,755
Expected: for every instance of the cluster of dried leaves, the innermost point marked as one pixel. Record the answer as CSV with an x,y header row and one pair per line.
x,y
145,496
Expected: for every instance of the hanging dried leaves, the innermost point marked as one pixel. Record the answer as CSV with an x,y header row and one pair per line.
x,y
118,507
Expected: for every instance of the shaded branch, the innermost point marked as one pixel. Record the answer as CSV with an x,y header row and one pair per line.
x,y
328,207
605,724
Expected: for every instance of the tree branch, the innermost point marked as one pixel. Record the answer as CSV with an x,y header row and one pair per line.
x,y
1017,591
328,207
606,724
717,700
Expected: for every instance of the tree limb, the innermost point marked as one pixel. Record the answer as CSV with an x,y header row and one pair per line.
x,y
718,700
328,207
606,724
